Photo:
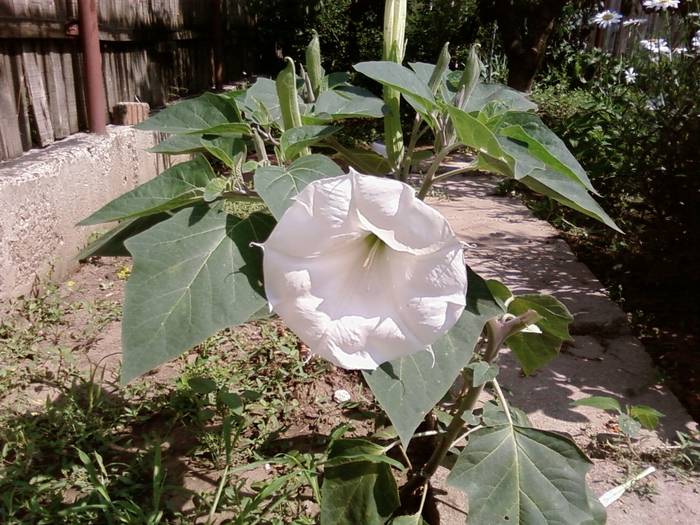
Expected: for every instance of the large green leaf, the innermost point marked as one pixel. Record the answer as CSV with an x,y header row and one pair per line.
x,y
193,275
278,185
473,133
196,115
555,318
178,144
357,492
111,243
294,140
569,193
534,351
261,102
347,102
425,71
522,476
394,75
409,387
537,140
346,451
601,402
485,94
178,186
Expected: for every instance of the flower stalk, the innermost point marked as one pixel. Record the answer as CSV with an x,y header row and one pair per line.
x,y
394,47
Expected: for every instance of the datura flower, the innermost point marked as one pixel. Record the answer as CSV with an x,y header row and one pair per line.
x,y
364,272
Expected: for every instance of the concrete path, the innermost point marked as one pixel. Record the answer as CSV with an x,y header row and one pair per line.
x,y
506,242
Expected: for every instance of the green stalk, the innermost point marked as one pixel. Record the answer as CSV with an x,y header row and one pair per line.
x,y
394,47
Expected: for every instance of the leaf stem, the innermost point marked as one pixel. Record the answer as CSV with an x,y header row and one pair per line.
x,y
503,400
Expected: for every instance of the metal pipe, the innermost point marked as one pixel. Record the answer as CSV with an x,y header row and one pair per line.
x,y
94,85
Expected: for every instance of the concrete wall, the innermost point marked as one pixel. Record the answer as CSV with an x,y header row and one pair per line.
x,y
44,193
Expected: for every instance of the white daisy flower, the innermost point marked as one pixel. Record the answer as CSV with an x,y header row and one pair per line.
x,y
656,45
661,5
695,42
606,18
630,75
634,22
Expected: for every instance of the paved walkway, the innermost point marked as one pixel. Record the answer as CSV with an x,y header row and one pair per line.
x,y
507,242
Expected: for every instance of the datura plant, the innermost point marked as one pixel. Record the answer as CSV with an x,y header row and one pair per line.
x,y
278,212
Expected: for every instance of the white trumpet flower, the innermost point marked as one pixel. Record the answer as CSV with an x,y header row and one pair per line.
x,y
364,272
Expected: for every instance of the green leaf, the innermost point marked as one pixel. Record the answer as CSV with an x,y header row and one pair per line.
x,y
648,417
483,372
413,519
484,94
214,189
294,140
501,293
425,72
476,135
346,451
347,102
231,400
202,385
409,387
522,476
193,275
394,75
493,414
569,193
261,103
278,186
364,161
601,402
178,144
178,186
358,493
534,350
540,142
224,148
555,318
111,244
629,426
196,115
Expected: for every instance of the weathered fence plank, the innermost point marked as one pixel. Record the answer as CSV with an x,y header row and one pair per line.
x,y
152,51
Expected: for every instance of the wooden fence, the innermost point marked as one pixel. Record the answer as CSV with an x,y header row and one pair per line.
x,y
621,39
152,51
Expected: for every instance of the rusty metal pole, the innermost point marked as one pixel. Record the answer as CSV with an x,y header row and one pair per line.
x,y
94,85
217,44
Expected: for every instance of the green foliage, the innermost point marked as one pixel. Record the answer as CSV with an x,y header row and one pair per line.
x,y
630,420
279,185
193,275
409,387
181,185
521,475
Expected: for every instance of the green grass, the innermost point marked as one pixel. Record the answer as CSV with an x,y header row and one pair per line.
x,y
97,453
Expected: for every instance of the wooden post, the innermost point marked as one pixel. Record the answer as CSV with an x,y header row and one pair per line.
x,y
94,85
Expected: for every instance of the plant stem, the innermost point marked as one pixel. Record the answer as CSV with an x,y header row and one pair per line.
x,y
219,491
503,400
430,175
408,157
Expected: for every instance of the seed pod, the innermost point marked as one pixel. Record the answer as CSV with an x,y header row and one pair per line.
x,y
470,77
287,92
443,63
313,64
